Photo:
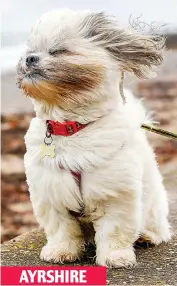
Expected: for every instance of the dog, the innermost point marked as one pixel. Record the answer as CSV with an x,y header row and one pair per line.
x,y
87,157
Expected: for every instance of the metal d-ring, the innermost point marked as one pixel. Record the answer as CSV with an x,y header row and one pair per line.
x,y
48,136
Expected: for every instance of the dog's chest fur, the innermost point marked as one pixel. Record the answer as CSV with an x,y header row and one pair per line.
x,y
95,152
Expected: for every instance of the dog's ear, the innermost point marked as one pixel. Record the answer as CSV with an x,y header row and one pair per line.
x,y
135,52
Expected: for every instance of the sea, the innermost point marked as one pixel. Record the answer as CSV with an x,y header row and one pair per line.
x,y
13,45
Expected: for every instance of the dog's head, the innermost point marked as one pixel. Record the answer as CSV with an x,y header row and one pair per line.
x,y
74,57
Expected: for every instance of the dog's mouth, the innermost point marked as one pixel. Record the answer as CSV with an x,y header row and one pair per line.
x,y
27,76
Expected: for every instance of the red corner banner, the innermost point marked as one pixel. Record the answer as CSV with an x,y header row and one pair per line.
x,y
62,275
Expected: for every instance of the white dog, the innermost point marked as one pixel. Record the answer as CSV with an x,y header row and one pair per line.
x,y
86,151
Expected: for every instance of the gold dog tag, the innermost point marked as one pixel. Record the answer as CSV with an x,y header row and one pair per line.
x,y
47,150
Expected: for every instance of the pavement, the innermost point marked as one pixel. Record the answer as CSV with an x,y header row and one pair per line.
x,y
155,265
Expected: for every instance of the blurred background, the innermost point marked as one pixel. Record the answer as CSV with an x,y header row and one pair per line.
x,y
160,94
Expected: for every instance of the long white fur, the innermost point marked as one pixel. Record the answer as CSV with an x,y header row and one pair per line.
x,y
121,188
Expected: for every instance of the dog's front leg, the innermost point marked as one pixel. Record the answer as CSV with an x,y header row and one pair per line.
x,y
65,241
117,230
66,244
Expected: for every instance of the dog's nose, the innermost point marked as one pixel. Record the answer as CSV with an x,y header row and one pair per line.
x,y
31,60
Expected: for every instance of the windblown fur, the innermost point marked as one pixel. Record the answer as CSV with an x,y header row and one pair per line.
x,y
75,75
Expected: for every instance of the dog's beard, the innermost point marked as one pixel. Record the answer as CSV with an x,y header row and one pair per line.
x,y
66,85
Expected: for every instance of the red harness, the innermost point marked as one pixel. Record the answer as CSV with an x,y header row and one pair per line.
x,y
67,128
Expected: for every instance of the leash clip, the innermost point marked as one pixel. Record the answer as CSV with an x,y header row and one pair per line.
x,y
48,136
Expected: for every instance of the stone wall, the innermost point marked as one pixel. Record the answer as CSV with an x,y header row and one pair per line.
x,y
17,216
161,97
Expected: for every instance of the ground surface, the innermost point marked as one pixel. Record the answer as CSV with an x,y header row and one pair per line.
x,y
156,266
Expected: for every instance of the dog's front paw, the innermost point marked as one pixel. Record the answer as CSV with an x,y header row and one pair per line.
x,y
124,257
59,254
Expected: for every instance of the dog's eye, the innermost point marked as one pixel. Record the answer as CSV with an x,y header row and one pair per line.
x,y
56,52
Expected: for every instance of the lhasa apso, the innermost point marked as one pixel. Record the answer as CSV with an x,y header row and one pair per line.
x,y
87,158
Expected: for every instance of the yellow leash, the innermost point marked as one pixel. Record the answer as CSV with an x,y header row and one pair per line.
x,y
159,131
145,126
